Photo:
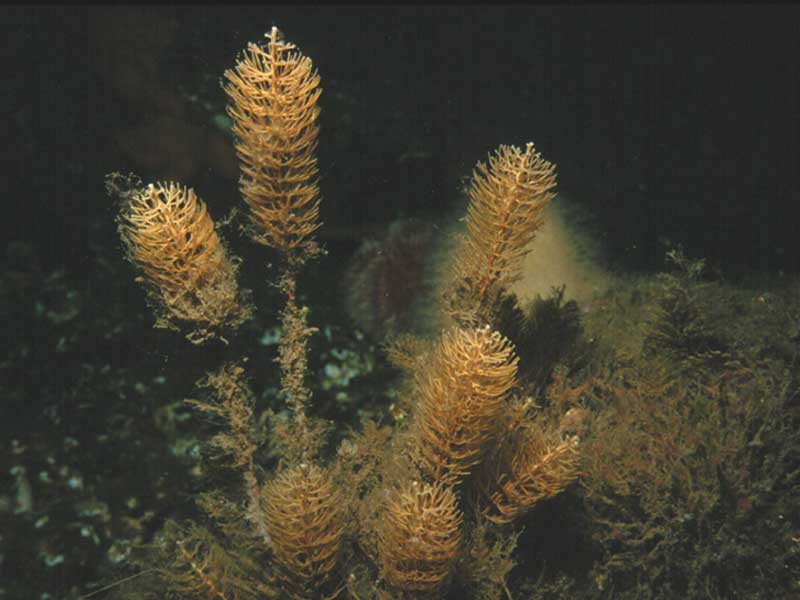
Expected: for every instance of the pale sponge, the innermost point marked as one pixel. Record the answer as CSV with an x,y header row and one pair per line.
x,y
565,251
561,254
395,284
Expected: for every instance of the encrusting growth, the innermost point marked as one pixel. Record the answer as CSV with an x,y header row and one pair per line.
x,y
187,272
274,92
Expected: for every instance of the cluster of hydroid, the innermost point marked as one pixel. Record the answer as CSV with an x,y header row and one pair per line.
x,y
470,436
296,518
386,279
680,447
468,433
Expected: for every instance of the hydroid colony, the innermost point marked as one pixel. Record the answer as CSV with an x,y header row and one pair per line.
x,y
472,457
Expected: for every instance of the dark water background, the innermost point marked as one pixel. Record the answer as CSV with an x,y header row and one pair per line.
x,y
669,122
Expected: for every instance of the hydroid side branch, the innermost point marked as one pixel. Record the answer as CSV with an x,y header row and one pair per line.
x,y
304,519
461,396
420,536
530,464
507,198
274,92
187,272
